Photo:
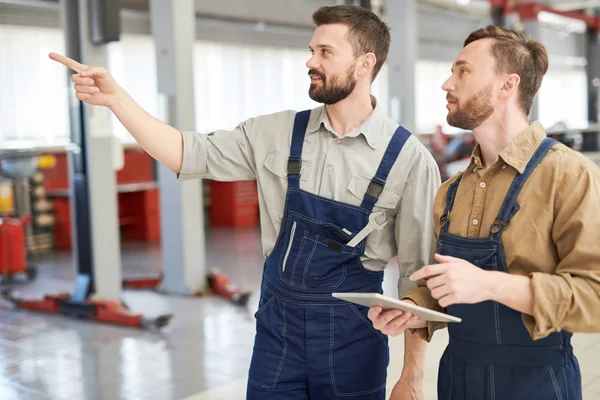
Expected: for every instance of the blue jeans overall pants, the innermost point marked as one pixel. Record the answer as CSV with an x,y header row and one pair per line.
x,y
308,344
490,353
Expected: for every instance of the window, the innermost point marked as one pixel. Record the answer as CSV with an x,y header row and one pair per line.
x,y
132,62
33,89
232,82
430,99
563,98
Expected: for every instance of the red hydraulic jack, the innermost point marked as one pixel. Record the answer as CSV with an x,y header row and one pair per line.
x,y
219,284
79,307
83,303
142,283
13,252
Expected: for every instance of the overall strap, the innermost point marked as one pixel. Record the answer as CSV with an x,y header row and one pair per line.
x,y
389,158
295,160
450,196
510,205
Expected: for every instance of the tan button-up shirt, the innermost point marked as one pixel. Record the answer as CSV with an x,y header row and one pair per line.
x,y
554,238
335,167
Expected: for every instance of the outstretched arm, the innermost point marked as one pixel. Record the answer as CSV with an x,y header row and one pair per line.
x,y
95,86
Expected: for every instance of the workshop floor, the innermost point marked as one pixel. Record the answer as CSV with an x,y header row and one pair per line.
x,y
202,355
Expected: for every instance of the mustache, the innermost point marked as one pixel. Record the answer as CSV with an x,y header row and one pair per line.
x,y
451,99
315,72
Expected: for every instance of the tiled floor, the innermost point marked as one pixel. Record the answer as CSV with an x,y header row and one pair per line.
x,y
202,355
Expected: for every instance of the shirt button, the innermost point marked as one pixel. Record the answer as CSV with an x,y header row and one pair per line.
x,y
504,166
475,169
475,222
330,169
482,185
339,141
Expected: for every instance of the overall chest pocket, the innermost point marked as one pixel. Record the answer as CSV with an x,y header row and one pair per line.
x,y
484,257
315,256
479,319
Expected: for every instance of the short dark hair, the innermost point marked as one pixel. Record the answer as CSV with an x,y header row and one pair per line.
x,y
516,54
366,31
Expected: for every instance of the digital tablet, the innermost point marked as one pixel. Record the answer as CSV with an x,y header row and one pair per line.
x,y
376,299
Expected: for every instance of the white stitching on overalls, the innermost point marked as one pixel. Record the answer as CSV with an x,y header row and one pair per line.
x,y
566,381
555,382
285,345
331,371
307,264
366,321
331,333
497,315
492,384
291,281
451,377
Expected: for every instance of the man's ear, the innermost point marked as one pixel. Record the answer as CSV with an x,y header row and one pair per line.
x,y
510,86
368,63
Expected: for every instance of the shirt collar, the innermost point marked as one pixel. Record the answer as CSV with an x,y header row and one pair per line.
x,y
518,153
370,129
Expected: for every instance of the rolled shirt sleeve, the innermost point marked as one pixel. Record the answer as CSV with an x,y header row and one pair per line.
x,y
421,296
220,155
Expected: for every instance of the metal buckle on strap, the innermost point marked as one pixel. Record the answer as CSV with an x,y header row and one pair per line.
x,y
444,218
500,222
294,165
375,188
498,226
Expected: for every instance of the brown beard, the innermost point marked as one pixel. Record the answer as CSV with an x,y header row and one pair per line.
x,y
474,112
335,90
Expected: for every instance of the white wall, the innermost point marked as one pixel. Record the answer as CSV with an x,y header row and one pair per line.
x,y
441,36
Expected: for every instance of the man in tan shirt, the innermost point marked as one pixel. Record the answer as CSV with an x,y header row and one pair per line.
x,y
323,175
518,254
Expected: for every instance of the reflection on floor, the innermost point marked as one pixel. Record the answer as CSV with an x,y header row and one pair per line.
x,y
203,355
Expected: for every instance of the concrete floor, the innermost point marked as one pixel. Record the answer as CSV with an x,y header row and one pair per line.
x,y
202,355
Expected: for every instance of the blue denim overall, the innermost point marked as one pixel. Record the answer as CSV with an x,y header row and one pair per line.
x,y
491,354
310,345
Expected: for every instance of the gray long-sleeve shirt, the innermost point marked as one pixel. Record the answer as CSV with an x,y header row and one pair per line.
x,y
334,167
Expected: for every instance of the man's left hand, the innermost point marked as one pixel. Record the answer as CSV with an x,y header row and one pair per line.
x,y
456,281
408,388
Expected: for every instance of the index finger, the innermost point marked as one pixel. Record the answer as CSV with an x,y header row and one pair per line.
x,y
430,270
68,62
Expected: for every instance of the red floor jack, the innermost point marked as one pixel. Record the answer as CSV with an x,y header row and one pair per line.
x,y
78,306
13,254
219,284
142,283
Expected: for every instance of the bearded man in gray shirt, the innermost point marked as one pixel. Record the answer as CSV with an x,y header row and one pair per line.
x,y
323,176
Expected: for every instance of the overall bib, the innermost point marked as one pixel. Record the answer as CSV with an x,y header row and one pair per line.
x,y
490,354
310,345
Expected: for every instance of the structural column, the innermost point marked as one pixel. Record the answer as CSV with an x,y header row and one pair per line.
x,y
402,17
532,29
497,12
181,204
93,194
593,77
502,13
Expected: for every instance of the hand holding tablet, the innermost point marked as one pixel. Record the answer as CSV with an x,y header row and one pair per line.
x,y
388,303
